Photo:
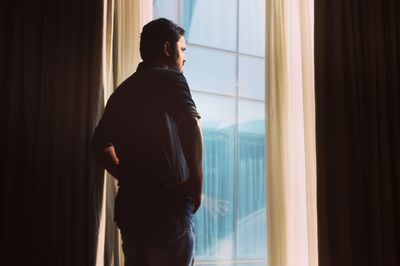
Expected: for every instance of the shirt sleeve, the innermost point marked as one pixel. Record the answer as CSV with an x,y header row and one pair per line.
x,y
180,103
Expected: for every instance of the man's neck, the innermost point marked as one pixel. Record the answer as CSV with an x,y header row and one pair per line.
x,y
156,63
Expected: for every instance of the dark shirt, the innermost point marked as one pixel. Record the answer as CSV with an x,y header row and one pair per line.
x,y
140,121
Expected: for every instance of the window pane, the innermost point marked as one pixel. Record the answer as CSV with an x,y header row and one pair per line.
x,y
252,27
166,9
226,73
251,213
214,220
211,23
210,70
251,77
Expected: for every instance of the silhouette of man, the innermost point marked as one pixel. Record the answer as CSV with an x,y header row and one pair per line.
x,y
150,140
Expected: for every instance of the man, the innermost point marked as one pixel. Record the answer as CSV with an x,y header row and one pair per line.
x,y
149,139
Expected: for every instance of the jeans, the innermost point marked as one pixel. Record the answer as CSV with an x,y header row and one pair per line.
x,y
139,251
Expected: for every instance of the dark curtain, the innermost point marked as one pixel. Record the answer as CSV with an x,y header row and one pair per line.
x,y
50,97
357,51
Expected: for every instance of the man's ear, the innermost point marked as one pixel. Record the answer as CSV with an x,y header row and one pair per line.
x,y
167,48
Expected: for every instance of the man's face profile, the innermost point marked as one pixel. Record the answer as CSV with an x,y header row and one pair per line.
x,y
180,56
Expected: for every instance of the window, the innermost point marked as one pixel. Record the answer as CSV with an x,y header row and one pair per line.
x,y
225,71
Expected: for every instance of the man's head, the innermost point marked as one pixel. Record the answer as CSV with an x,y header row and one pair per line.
x,y
162,42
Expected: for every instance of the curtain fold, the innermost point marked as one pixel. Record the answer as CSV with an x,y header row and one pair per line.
x,y
107,228
358,131
51,56
291,158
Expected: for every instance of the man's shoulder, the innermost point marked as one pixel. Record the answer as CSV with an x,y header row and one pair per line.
x,y
151,80
163,73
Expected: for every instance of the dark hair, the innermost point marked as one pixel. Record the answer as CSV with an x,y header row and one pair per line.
x,y
155,34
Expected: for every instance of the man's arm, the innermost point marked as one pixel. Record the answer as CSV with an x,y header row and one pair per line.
x,y
192,145
109,160
102,145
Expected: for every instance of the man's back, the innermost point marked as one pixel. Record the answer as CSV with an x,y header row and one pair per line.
x,y
140,121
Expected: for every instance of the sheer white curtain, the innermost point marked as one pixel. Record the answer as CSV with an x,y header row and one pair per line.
x,y
130,17
123,22
291,158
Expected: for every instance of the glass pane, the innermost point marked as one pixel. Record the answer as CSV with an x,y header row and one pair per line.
x,y
210,70
251,212
211,23
231,224
251,77
252,27
214,220
166,9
